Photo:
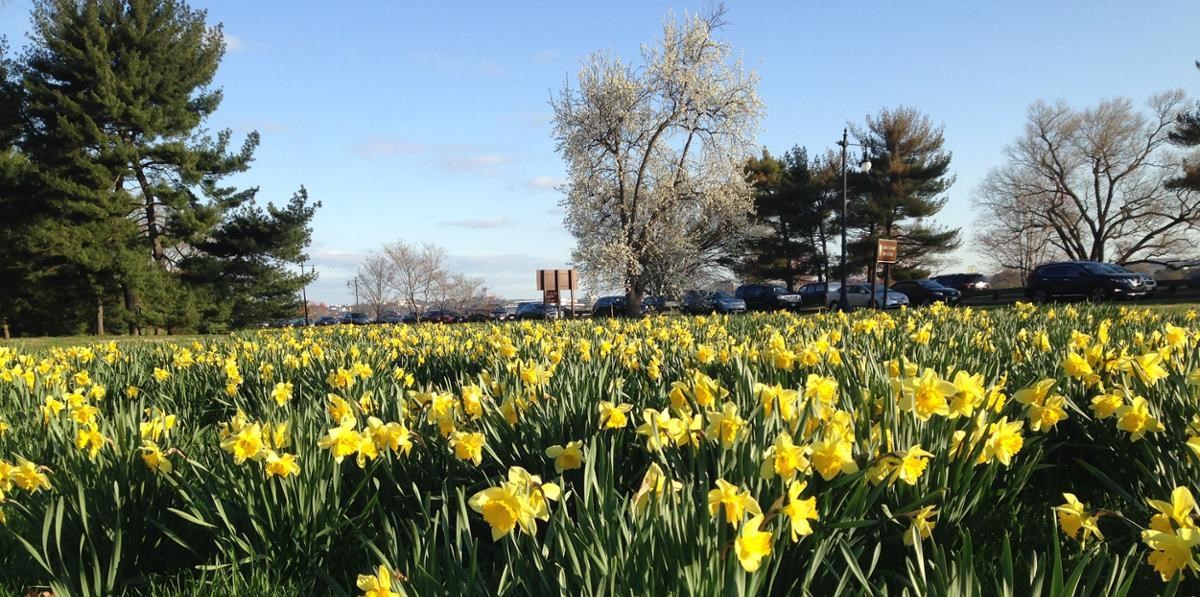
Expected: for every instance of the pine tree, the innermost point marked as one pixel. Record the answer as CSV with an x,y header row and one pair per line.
x,y
1187,134
792,212
905,186
242,268
116,93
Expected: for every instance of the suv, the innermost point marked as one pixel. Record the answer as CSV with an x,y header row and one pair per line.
x,y
533,310
609,306
963,282
927,292
1092,280
766,297
703,302
819,294
356,319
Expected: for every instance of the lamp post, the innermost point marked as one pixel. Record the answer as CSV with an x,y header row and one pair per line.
x,y
304,293
843,297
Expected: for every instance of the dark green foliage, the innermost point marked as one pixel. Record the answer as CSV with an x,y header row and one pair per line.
x,y
242,265
794,201
1187,134
115,185
906,186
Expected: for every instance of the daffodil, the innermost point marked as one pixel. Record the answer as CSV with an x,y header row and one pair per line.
x,y
800,510
733,500
1074,517
614,416
566,458
752,544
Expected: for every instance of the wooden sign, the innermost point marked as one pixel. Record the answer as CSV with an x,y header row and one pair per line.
x,y
557,279
886,251
551,297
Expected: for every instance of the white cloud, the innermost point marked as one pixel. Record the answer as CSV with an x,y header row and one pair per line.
x,y
544,183
486,163
547,55
486,68
233,44
479,223
387,146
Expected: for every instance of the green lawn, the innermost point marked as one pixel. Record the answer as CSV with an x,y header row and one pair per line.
x,y
44,342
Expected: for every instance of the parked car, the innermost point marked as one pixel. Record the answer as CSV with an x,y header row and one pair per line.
x,y
1093,280
1180,271
767,297
658,304
1148,281
356,319
609,306
327,320
818,294
437,316
702,302
861,295
927,292
390,317
963,282
535,310
483,315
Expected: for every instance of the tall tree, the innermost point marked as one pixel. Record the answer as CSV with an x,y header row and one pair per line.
x,y
241,273
116,95
793,207
376,279
1187,135
1098,181
905,187
655,156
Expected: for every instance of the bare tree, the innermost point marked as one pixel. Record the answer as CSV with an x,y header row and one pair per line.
x,y
419,273
376,280
655,156
1092,183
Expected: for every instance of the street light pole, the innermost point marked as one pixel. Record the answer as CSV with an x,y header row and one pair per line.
x,y
865,166
843,297
304,293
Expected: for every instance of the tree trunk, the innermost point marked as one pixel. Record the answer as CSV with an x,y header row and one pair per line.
x,y
152,231
4,324
131,305
99,316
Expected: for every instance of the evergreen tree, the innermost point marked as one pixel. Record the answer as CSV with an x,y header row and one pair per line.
x,y
906,185
115,96
1187,134
792,212
241,270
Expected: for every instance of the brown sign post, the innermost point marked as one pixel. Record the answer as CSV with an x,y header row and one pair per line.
x,y
551,281
885,253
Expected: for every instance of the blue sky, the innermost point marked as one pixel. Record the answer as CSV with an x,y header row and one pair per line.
x,y
430,122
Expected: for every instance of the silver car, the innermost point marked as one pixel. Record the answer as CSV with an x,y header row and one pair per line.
x,y
861,295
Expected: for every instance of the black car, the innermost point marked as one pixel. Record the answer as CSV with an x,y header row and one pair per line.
x,y
1093,280
927,292
658,304
817,294
390,317
609,306
532,310
766,297
327,321
703,302
356,319
963,282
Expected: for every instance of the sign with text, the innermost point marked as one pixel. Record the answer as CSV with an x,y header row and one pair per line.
x,y
557,279
886,251
551,297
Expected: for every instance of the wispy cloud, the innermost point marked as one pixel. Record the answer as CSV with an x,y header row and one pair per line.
x,y
547,55
233,43
387,146
454,64
480,223
544,183
485,163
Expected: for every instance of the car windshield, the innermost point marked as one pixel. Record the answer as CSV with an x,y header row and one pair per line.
x,y
780,290
723,295
930,284
1103,268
